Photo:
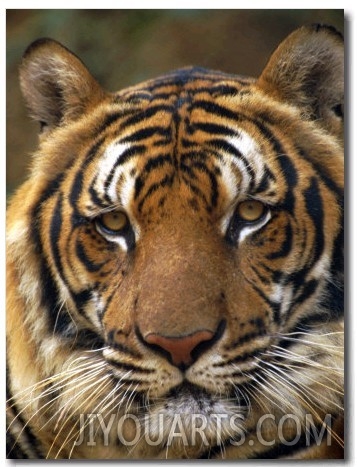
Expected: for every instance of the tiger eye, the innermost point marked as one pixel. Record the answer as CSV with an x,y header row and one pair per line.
x,y
251,210
114,221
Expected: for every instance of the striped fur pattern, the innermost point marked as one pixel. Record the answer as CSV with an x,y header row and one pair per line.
x,y
175,262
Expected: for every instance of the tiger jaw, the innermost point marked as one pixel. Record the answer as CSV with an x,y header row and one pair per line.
x,y
192,416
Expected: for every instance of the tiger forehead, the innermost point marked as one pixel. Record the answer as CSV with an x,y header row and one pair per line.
x,y
182,96
145,171
181,139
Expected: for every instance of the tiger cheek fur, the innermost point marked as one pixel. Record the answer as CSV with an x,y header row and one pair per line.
x,y
175,262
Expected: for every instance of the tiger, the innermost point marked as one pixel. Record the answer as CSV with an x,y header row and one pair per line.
x,y
175,261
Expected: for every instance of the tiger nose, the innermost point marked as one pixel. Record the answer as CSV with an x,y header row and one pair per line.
x,y
181,351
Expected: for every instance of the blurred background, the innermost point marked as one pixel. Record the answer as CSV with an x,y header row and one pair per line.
x,y
124,47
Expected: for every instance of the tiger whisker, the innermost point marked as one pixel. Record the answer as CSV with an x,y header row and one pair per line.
x,y
296,369
87,384
101,410
43,409
300,395
263,393
98,386
278,373
288,354
66,375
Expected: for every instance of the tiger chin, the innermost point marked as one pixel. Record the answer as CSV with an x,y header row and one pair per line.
x,y
175,262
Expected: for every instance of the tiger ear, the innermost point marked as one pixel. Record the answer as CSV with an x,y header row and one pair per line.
x,y
307,70
56,85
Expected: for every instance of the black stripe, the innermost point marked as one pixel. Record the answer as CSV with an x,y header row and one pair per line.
x,y
55,233
304,324
287,167
139,185
306,291
87,339
212,178
123,158
243,357
285,247
262,278
249,336
49,291
215,128
264,183
85,260
152,164
167,181
193,154
216,109
146,114
94,195
129,237
274,306
113,117
109,119
321,171
128,154
138,97
333,299
297,280
291,178
101,313
61,319
130,367
157,162
223,145
197,191
315,209
77,185
13,448
225,89
214,188
233,231
148,132
212,90
188,171
16,444
82,298
48,193
110,340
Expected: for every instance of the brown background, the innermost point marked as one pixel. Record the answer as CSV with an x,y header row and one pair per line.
x,y
123,47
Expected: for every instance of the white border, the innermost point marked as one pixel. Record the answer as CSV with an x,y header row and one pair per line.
x,y
351,305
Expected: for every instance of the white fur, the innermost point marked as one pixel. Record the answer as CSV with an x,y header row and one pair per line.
x,y
108,160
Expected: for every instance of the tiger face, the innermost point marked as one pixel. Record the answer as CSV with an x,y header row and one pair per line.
x,y
175,261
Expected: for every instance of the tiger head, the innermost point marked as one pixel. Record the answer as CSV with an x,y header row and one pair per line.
x,y
176,255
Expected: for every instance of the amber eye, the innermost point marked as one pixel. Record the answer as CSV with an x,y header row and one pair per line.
x,y
251,210
113,222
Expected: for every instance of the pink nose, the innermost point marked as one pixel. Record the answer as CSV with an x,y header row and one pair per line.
x,y
179,348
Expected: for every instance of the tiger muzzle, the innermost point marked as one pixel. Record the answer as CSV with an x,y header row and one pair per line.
x,y
183,351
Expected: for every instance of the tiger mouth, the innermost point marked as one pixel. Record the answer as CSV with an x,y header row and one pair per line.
x,y
192,399
191,415
190,391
